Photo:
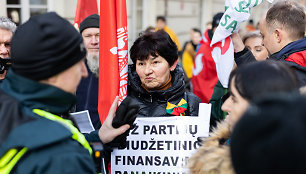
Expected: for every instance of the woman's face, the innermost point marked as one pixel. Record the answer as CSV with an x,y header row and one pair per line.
x,y
254,44
154,71
235,105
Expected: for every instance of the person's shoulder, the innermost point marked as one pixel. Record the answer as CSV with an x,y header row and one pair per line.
x,y
168,30
37,133
66,156
49,145
10,115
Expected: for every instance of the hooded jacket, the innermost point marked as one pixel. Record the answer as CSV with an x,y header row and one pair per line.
x,y
154,103
213,156
50,146
293,54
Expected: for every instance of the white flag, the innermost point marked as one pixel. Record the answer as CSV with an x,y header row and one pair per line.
x,y
236,12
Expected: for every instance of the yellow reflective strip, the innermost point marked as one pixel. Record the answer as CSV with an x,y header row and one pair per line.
x,y
10,160
76,135
7,157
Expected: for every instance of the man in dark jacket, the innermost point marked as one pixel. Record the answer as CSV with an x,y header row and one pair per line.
x,y
283,30
7,29
87,92
48,64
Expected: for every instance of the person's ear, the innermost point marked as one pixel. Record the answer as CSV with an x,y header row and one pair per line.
x,y
50,81
278,35
173,66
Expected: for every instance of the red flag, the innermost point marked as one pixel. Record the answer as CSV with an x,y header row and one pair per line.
x,y
84,8
204,76
113,69
207,62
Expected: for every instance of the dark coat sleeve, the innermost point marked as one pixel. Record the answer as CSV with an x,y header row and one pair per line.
x,y
217,114
193,104
92,136
244,56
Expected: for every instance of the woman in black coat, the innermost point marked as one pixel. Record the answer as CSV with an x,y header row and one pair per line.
x,y
156,81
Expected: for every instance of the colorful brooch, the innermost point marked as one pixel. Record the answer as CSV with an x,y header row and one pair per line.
x,y
179,109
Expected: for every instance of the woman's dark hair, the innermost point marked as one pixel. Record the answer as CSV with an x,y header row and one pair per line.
x,y
257,79
155,44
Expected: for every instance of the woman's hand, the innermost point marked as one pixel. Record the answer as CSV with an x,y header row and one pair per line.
x,y
237,42
107,132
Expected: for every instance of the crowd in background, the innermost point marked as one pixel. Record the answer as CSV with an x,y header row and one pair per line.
x,y
269,74
257,124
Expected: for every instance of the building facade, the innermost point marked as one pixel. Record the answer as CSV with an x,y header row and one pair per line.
x,y
182,15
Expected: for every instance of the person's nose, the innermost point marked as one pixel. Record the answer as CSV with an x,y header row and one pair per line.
x,y
3,50
84,70
95,40
226,107
148,69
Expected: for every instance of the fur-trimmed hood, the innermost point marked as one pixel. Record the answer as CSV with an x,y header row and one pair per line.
x,y
213,157
219,135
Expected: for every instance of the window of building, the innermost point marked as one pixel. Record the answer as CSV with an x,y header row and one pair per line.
x,y
137,18
21,10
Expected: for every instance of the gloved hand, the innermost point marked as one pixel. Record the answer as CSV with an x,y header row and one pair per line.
x,y
125,114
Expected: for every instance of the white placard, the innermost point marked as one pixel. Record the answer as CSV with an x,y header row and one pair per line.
x,y
83,121
161,144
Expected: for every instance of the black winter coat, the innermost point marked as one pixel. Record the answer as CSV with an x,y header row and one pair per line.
x,y
51,148
87,97
154,103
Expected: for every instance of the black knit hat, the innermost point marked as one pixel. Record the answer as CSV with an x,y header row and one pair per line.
x,y
271,137
91,21
44,46
216,20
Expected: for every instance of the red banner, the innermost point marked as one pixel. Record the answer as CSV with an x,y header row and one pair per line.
x,y
204,72
113,69
84,8
210,65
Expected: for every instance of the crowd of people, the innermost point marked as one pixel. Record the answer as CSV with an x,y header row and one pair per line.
x,y
49,69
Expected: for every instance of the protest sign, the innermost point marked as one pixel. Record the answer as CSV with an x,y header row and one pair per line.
x,y
161,144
